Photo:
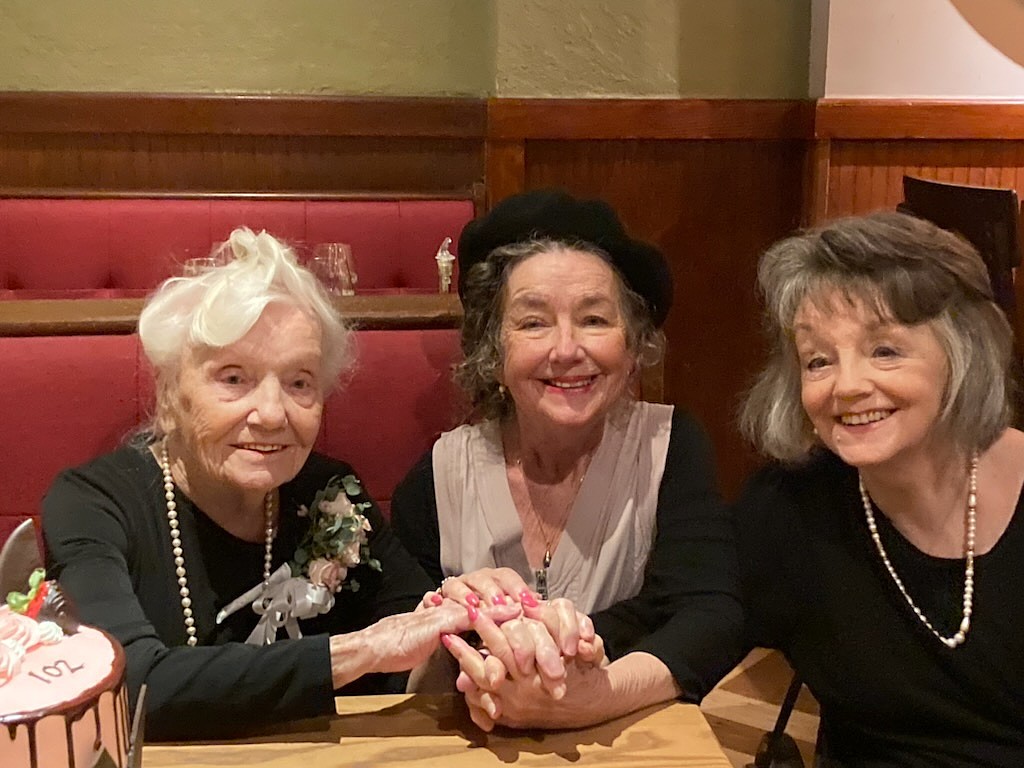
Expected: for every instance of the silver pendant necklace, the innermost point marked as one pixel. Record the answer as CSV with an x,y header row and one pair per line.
x,y
540,575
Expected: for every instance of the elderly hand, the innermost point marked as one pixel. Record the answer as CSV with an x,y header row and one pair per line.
x,y
522,654
404,641
520,701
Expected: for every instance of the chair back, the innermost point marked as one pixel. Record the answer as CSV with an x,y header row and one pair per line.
x,y
19,556
987,217
990,219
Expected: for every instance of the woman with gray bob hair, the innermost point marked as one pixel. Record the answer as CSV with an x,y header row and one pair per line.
x,y
218,528
908,270
881,550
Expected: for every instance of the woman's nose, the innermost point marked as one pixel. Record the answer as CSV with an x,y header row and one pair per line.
x,y
852,379
268,409
566,344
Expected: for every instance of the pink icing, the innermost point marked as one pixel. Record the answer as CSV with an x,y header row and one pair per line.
x,y
10,662
53,674
17,630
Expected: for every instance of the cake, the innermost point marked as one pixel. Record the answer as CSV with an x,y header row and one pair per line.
x,y
63,701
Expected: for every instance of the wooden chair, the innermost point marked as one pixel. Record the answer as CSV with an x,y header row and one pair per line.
x,y
990,219
19,556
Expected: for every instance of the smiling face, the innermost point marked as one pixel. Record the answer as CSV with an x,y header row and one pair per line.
x,y
248,413
564,339
872,388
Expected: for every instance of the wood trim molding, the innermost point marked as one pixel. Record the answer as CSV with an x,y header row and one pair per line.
x,y
473,194
70,317
892,119
241,115
511,119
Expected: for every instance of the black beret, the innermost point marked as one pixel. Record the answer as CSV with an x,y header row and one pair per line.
x,y
557,215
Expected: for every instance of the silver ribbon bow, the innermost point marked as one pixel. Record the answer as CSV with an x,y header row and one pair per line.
x,y
281,603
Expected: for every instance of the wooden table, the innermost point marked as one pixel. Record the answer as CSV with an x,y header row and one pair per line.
x,y
420,730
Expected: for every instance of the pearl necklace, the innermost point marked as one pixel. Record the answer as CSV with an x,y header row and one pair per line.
x,y
179,553
960,636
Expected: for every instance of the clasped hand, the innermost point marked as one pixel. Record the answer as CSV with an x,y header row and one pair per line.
x,y
525,662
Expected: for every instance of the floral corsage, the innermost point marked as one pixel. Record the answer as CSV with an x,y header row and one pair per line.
x,y
337,536
303,588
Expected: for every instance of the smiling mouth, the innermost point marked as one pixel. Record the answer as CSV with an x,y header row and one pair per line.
x,y
264,448
867,417
577,382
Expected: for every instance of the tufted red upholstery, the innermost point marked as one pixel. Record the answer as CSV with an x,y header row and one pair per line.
x,y
69,398
52,248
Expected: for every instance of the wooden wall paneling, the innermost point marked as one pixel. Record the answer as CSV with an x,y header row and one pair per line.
x,y
197,142
884,119
867,175
712,206
817,159
505,169
241,163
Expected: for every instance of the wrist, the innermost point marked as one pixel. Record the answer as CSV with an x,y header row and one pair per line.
x,y
352,656
635,681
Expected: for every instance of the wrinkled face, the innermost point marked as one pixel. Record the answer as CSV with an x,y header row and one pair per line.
x,y
564,338
872,389
249,413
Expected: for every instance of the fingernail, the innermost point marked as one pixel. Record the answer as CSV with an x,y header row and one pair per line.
x,y
436,599
473,600
528,599
446,641
474,614
499,599
558,692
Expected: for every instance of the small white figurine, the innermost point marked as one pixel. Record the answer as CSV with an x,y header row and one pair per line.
x,y
445,259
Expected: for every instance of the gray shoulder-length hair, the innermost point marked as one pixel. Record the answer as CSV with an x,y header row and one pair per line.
x,y
219,306
483,302
909,271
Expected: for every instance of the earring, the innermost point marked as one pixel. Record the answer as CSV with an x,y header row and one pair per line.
x,y
501,391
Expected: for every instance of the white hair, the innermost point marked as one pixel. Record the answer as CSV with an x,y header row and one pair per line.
x,y
219,306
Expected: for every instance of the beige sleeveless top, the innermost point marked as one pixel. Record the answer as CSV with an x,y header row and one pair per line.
x,y
610,529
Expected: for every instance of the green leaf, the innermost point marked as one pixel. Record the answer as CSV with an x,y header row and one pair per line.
x,y
374,563
353,585
18,602
38,577
352,486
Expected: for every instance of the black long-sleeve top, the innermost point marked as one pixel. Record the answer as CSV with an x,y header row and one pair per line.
x,y
109,545
687,612
891,693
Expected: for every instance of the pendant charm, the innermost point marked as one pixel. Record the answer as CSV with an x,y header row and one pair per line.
x,y
541,578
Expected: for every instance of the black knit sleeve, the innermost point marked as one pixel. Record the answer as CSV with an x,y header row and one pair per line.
x,y
688,611
414,517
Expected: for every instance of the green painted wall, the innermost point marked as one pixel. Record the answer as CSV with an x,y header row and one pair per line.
x,y
372,47
651,48
559,48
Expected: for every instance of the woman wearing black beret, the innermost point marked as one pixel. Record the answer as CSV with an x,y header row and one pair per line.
x,y
566,489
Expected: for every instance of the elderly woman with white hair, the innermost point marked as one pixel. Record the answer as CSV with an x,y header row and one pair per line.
x,y
220,504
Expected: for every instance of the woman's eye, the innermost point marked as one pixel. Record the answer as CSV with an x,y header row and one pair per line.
x,y
530,323
232,378
816,363
884,351
595,320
